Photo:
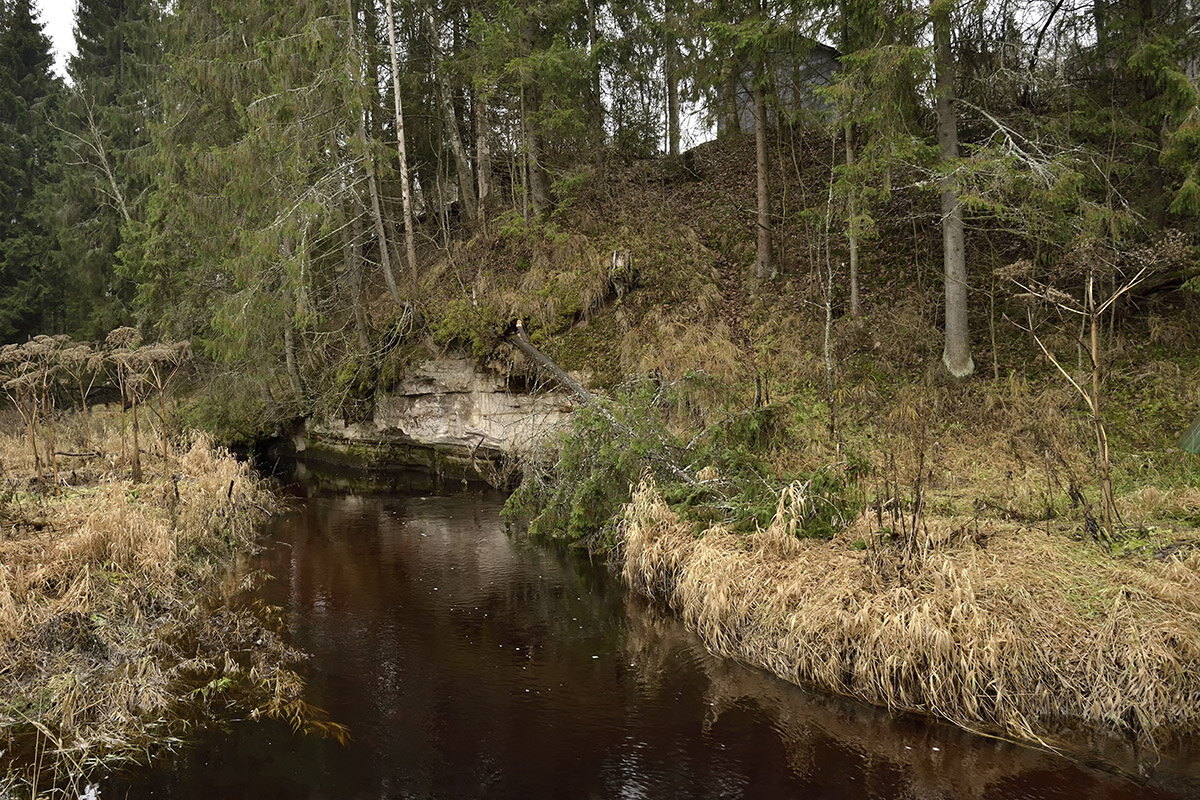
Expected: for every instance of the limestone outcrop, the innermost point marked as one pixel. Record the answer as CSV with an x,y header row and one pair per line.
x,y
448,416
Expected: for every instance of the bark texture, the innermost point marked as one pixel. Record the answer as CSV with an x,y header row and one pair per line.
x,y
763,264
956,356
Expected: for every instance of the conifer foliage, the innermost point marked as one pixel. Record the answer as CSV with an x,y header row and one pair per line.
x,y
250,175
99,189
28,93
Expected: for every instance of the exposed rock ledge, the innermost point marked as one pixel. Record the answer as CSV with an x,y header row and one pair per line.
x,y
447,416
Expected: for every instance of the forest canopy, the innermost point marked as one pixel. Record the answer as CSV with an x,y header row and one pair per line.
x,y
255,176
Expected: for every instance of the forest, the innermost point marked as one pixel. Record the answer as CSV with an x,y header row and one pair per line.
x,y
252,178
883,286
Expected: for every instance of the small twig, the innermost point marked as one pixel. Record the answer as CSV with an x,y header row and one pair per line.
x,y
1086,397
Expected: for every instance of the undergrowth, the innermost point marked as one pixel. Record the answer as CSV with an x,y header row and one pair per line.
x,y
1004,629
576,487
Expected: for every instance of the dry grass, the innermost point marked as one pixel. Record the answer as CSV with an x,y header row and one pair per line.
x,y
1030,635
111,614
674,348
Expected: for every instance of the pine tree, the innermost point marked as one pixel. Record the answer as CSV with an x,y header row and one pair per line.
x,y
28,92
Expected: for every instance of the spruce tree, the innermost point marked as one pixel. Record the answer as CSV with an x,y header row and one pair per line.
x,y
104,120
254,159
28,91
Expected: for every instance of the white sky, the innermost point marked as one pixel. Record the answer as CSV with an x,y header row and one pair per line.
x,y
58,17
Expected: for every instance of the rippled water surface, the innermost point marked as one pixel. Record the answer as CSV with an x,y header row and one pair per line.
x,y
468,664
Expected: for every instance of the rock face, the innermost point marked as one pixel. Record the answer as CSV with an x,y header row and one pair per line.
x,y
447,416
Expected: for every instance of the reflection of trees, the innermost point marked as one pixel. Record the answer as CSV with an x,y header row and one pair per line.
x,y
436,680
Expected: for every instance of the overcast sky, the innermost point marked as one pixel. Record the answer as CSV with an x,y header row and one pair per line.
x,y
58,17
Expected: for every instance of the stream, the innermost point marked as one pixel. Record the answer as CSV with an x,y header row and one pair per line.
x,y
471,664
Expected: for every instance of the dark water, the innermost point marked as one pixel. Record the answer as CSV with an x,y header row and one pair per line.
x,y
471,665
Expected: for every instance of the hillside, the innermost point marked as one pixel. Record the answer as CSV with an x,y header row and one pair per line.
x,y
1014,442
921,504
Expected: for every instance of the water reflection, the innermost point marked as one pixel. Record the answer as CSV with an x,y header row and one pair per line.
x,y
468,664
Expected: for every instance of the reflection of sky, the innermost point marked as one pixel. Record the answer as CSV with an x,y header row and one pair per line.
x,y
468,664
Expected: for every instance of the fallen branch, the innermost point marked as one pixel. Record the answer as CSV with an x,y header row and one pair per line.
x,y
521,340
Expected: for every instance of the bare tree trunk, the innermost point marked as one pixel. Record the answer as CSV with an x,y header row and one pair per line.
x,y
594,66
462,165
956,356
729,98
1102,457
671,75
289,356
410,248
762,264
483,155
385,253
828,348
97,145
538,193
521,340
855,300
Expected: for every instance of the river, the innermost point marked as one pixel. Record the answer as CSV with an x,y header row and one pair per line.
x,y
471,664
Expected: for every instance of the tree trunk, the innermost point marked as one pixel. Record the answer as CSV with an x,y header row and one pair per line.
x,y
462,165
385,256
410,248
855,301
729,99
762,263
671,75
594,67
521,340
352,254
289,356
538,193
956,356
483,155
385,250
1102,458
537,190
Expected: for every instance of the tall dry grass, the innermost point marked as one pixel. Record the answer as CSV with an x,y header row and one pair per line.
x,y
113,633
1030,636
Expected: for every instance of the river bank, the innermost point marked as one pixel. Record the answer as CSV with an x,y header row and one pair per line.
x,y
441,641
118,632
1000,629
